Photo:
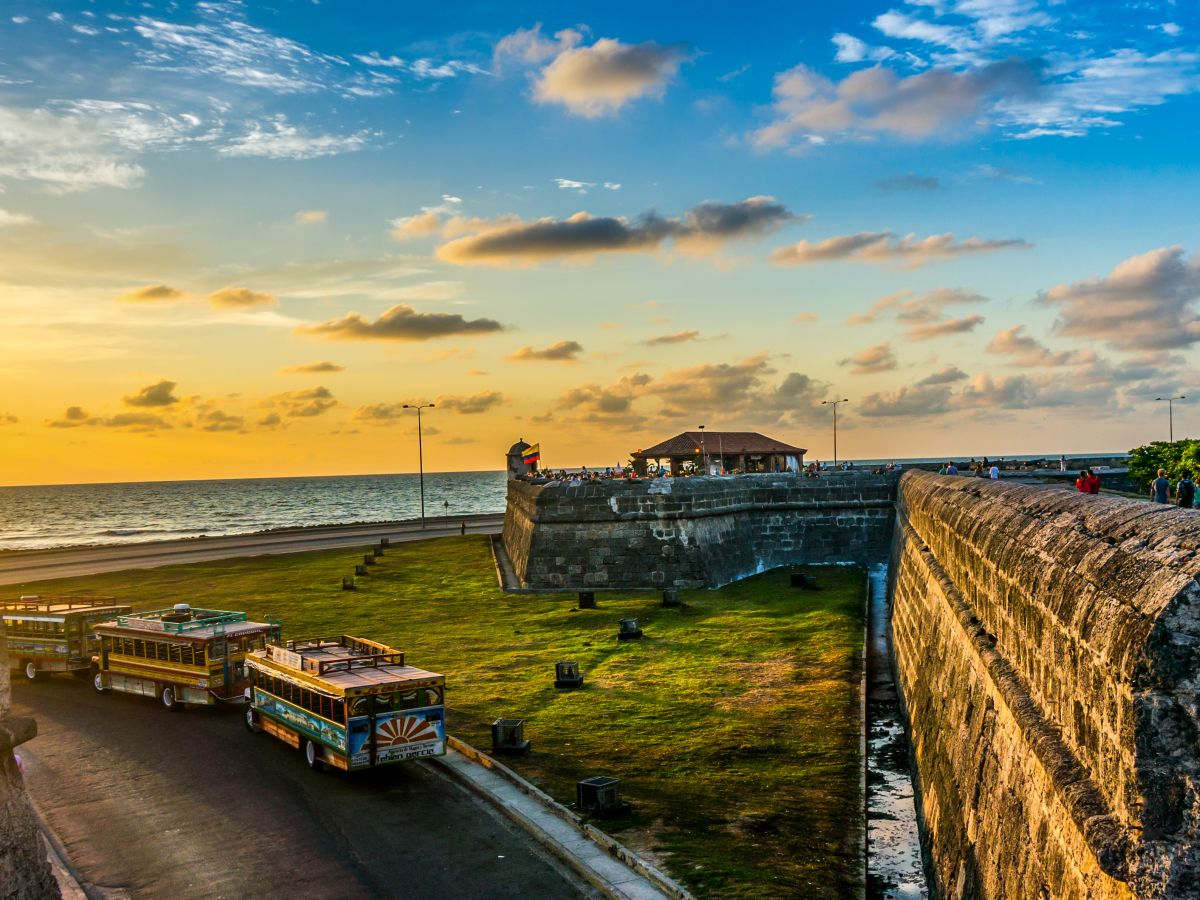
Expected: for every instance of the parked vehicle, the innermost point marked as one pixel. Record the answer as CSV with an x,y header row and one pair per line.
x,y
346,702
179,655
54,634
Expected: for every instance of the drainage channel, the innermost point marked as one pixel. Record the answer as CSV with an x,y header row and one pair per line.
x,y
894,868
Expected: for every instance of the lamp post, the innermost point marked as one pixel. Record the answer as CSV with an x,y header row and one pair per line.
x,y
834,404
703,455
1171,413
420,451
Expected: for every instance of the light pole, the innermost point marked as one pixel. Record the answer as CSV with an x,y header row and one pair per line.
x,y
1171,413
834,404
420,451
703,455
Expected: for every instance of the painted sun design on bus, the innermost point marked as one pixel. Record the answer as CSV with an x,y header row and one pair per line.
x,y
405,730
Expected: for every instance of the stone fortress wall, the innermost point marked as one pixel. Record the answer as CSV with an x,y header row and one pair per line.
x,y
25,873
692,532
1047,647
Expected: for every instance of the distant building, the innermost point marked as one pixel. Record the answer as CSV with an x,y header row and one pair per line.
x,y
729,451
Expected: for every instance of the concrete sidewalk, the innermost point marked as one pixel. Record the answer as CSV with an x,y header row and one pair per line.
x,y
604,863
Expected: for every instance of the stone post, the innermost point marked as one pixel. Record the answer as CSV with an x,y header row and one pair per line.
x,y
24,872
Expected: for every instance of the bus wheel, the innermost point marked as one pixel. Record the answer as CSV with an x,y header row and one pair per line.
x,y
31,670
98,683
312,758
251,722
168,698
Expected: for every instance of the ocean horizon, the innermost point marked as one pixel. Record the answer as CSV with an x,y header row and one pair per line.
x,y
110,513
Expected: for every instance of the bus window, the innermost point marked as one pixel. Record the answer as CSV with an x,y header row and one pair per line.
x,y
218,649
339,711
139,647
175,651
162,651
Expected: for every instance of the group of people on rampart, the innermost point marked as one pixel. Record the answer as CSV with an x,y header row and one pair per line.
x,y
1185,489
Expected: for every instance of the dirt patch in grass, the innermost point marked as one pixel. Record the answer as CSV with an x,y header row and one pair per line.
x,y
733,723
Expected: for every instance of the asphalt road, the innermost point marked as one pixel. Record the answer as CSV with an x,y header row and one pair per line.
x,y
154,804
21,566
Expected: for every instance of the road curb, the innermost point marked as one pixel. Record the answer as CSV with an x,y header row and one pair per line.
x,y
56,855
598,858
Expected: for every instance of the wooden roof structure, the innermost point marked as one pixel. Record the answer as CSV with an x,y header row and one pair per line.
x,y
688,444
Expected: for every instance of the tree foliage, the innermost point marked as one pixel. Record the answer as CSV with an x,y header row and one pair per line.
x,y
1176,457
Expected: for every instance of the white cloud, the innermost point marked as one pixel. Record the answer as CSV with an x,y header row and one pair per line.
x,y
885,246
11,218
570,184
1147,302
593,80
310,216
276,138
851,50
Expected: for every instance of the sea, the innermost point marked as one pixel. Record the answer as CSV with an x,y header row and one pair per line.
x,y
72,515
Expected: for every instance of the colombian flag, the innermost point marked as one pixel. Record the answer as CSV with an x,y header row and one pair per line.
x,y
532,455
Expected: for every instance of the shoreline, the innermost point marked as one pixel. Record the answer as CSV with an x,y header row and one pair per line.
x,y
261,532
19,567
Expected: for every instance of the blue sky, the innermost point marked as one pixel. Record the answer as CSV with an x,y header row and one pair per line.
x,y
975,218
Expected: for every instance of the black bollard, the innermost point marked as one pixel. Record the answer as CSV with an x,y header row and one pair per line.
x,y
671,597
369,559
508,736
464,528
385,542
629,630
360,570
600,796
587,600
377,552
567,675
347,584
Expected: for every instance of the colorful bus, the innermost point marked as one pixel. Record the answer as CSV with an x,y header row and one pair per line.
x,y
54,634
346,702
180,655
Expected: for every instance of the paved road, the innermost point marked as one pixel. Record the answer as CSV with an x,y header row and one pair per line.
x,y
21,566
155,804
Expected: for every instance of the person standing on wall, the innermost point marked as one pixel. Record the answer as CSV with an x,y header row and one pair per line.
x,y
1160,488
1185,491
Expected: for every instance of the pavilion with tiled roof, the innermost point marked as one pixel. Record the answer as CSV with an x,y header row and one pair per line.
x,y
746,451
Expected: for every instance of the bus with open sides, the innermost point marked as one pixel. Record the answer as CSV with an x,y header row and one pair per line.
x,y
346,702
54,634
182,656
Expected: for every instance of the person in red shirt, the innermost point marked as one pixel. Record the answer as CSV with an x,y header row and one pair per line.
x,y
1081,483
1093,482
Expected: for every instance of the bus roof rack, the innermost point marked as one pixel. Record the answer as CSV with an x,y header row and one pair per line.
x,y
35,603
172,620
359,653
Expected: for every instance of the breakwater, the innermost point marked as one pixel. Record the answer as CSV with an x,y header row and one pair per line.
x,y
1048,653
692,532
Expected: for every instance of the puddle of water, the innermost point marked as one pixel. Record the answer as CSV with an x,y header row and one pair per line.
x,y
894,869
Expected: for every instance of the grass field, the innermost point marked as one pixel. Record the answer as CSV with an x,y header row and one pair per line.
x,y
733,724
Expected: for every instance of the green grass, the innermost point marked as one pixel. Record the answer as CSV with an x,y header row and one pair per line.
x,y
733,723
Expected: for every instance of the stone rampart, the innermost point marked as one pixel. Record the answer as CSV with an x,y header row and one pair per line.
x,y
1047,647
692,532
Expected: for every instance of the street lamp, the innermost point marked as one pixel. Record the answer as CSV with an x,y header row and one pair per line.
x,y
1171,413
834,404
703,455
420,451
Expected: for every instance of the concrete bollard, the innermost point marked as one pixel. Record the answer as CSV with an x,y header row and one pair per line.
x,y
629,630
508,736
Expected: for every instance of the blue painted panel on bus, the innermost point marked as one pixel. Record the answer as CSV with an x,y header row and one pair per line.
x,y
301,720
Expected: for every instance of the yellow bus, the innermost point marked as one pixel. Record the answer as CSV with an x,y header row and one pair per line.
x,y
182,656
54,634
346,702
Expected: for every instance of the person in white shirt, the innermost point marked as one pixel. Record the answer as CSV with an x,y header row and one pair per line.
x,y
994,472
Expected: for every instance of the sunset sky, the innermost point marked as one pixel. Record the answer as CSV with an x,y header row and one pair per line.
x,y
235,237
